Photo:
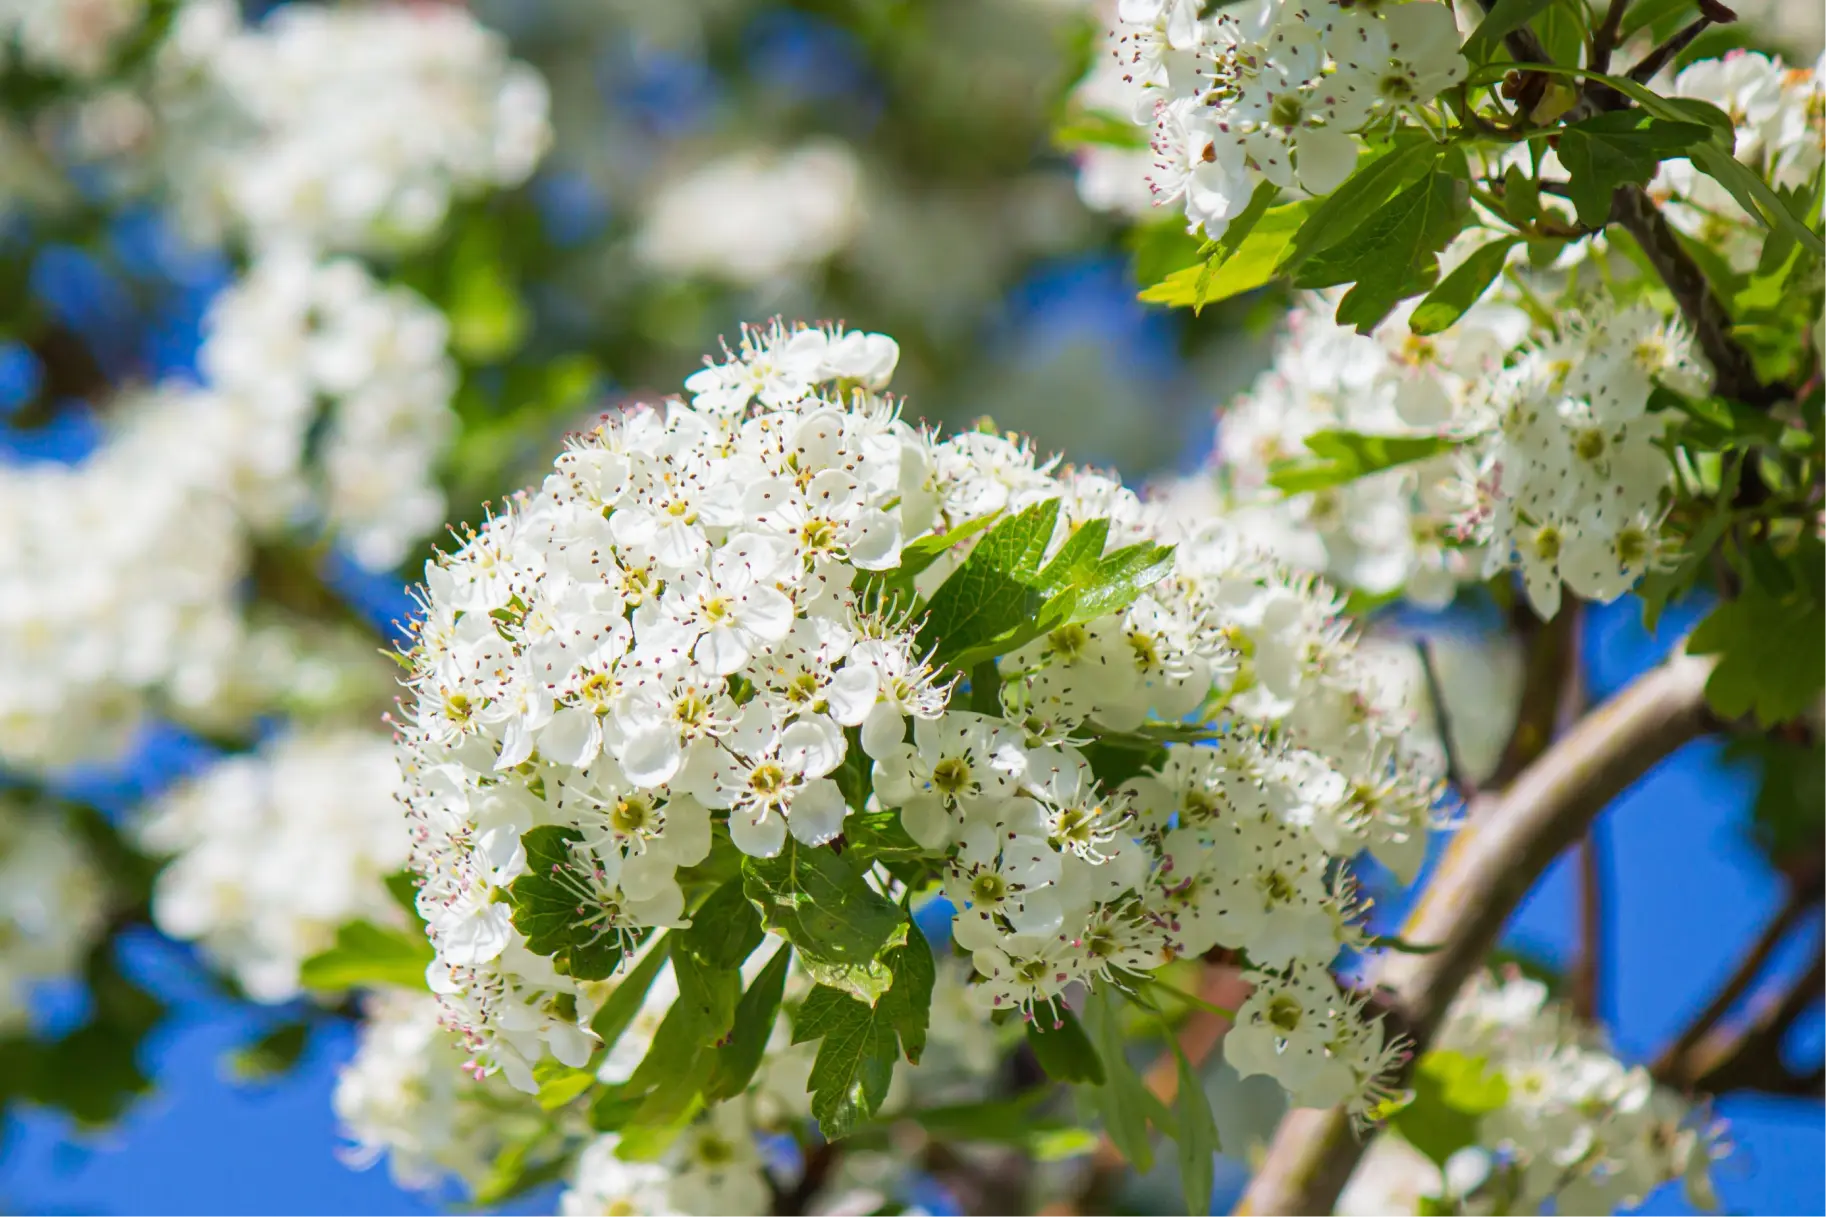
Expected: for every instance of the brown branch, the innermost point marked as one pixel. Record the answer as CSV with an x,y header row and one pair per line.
x,y
1507,842
1604,40
1750,1057
1669,1065
1551,649
1456,773
1657,59
1588,967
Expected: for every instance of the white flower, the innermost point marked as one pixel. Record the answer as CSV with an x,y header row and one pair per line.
x,y
52,904
273,851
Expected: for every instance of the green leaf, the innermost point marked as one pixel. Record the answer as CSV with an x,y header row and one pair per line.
x,y
817,901
1665,15
1161,246
559,1083
515,1172
488,320
724,930
630,993
1000,1121
669,1081
1395,252
1123,1100
1452,1092
1771,653
1064,1051
908,1004
992,592
1196,1134
739,1057
855,1061
1344,456
546,906
1618,148
1254,263
1461,289
1101,128
879,836
365,955
274,1054
1504,17
1371,185
1789,815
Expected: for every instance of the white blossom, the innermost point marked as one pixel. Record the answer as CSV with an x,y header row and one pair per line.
x,y
271,852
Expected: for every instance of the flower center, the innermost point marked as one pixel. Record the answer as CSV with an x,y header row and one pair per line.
x,y
952,775
631,815
767,780
1284,1013
988,888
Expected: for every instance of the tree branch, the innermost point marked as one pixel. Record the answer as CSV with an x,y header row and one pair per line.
x,y
1456,773
1658,58
1588,967
1604,41
1504,847
1551,649
1669,1065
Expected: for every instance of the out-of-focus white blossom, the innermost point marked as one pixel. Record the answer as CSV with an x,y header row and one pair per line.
x,y
274,850
405,1095
754,216
75,38
346,128
52,903
117,584
316,359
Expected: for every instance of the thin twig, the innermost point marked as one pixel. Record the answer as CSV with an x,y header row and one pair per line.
x,y
1456,772
1604,40
1588,967
1550,649
1504,847
1749,1057
1794,906
1657,59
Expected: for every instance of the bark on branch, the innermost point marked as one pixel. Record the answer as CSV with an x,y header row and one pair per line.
x,y
1503,848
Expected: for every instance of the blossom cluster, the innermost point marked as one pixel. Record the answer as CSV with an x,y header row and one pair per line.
x,y
121,574
1577,1125
671,643
799,207
272,851
305,354
1550,460
350,128
325,403
1274,91
75,38
52,903
404,1095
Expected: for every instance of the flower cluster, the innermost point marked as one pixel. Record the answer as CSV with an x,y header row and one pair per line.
x,y
1780,116
1273,92
673,642
1577,1125
404,1095
52,904
718,1166
348,128
272,851
1549,460
75,38
798,208
301,354
121,575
